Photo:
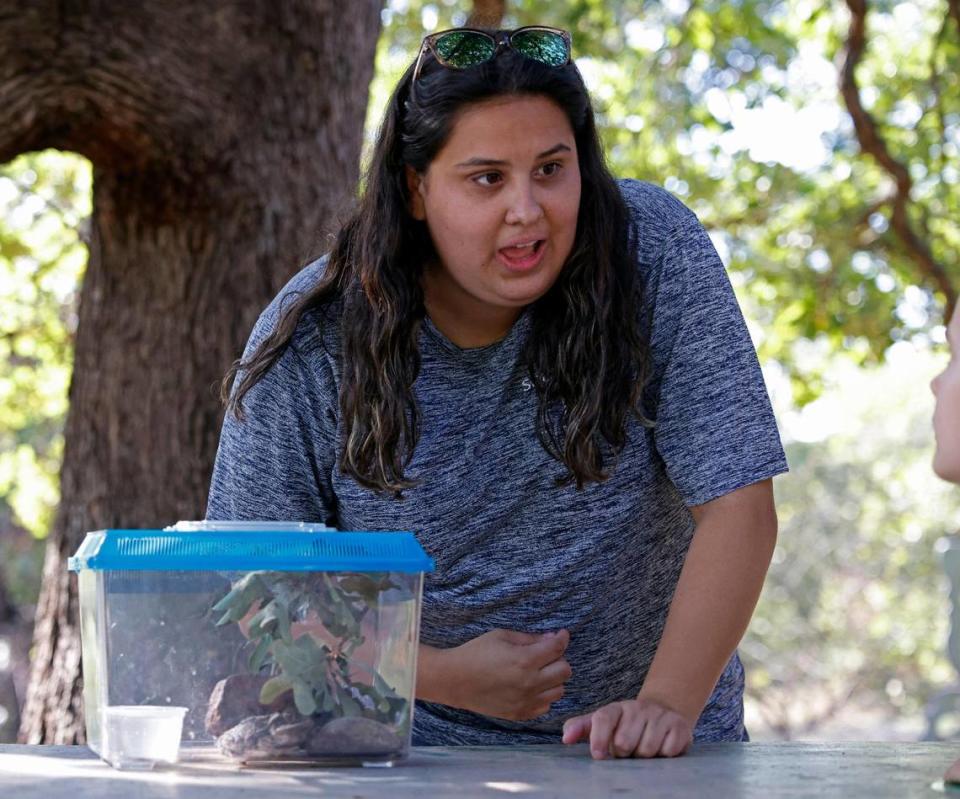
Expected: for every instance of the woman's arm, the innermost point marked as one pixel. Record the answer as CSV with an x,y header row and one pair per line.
x,y
502,673
432,680
718,590
716,594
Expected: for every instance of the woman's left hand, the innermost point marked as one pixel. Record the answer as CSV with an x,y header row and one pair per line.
x,y
633,728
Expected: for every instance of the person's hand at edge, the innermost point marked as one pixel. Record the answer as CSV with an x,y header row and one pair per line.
x,y
953,773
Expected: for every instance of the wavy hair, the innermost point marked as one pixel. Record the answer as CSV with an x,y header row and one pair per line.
x,y
586,354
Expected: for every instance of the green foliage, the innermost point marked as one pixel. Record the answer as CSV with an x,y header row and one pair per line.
x,y
44,197
321,675
855,605
678,87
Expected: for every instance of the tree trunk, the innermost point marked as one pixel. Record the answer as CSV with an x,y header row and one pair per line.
x,y
487,14
224,138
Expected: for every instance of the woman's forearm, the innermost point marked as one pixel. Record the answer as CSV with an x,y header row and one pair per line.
x,y
715,597
431,675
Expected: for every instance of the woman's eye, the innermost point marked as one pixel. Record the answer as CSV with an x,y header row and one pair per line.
x,y
551,169
487,178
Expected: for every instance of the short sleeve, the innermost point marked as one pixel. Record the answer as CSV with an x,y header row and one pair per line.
x,y
277,462
714,426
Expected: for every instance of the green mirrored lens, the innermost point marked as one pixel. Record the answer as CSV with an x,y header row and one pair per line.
x,y
463,49
543,46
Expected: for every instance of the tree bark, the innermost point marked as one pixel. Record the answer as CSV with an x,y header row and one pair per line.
x,y
487,14
224,137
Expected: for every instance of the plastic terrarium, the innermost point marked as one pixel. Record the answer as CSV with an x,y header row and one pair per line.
x,y
263,642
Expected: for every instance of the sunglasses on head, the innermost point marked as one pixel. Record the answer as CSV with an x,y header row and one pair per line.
x,y
462,48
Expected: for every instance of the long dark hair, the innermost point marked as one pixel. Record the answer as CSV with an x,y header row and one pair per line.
x,y
586,354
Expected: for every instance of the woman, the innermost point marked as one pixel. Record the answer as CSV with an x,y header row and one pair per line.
x,y
545,375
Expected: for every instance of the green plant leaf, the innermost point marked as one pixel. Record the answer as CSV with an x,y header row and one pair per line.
x,y
267,615
227,600
380,684
299,658
259,655
283,624
327,703
303,698
241,597
274,687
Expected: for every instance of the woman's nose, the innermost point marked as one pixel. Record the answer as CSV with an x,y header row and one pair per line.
x,y
934,383
524,208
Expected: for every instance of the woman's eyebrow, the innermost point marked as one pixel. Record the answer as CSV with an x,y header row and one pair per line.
x,y
557,148
480,161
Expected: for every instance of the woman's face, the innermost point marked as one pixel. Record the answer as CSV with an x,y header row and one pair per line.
x,y
946,415
501,201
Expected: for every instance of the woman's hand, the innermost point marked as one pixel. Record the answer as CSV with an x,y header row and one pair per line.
x,y
507,674
633,728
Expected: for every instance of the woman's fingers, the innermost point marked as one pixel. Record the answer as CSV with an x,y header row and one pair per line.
x,y
650,744
554,674
576,728
630,731
551,695
541,702
602,727
548,648
517,638
676,742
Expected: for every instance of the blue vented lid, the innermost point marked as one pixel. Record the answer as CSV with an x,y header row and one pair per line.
x,y
247,549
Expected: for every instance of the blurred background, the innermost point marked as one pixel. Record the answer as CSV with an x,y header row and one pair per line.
x,y
820,145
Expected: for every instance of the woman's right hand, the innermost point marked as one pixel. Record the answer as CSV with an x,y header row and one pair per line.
x,y
504,673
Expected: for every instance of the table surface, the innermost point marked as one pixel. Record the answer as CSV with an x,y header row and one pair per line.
x,y
765,770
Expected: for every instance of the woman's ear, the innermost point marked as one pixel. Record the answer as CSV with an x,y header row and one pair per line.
x,y
415,187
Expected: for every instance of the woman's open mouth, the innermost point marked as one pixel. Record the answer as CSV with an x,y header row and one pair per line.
x,y
524,256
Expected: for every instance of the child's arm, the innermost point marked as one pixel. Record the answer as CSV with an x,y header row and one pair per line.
x,y
711,607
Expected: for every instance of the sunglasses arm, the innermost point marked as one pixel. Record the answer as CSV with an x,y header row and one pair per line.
x,y
416,69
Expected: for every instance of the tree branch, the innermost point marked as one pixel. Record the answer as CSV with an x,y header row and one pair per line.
x,y
487,14
935,83
873,143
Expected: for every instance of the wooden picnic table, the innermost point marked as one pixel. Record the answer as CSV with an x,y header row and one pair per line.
x,y
708,771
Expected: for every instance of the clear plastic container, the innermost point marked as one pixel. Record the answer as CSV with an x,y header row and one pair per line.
x,y
141,736
264,643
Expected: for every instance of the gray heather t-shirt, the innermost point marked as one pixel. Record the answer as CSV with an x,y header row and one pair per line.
x,y
512,550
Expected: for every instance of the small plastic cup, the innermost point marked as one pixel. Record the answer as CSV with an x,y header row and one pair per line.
x,y
141,736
